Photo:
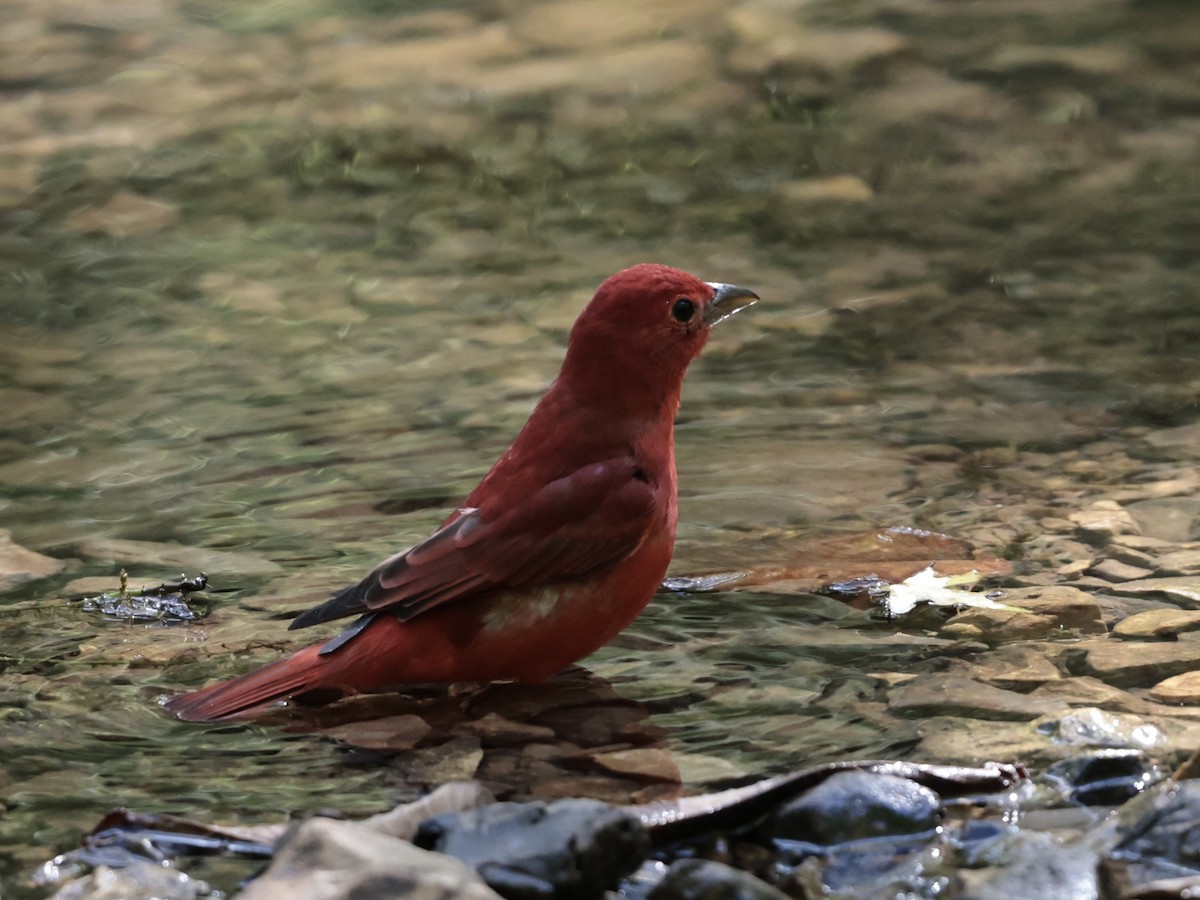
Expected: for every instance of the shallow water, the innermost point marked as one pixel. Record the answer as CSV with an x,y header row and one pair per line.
x,y
282,281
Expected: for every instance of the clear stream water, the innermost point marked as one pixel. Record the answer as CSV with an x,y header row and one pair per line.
x,y
281,280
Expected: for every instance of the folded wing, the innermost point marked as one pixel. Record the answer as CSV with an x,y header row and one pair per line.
x,y
578,524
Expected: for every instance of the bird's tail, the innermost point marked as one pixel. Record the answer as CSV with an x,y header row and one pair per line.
x,y
245,696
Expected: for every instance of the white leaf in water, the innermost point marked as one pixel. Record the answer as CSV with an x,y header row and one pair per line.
x,y
927,586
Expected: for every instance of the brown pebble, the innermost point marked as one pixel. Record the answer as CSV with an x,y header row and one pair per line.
x,y
644,762
1182,689
390,733
497,731
1114,570
1158,623
1104,520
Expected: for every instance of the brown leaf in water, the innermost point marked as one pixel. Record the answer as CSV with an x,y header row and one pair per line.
x,y
891,556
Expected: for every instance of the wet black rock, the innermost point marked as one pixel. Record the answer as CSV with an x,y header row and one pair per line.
x,y
536,851
1105,777
706,879
850,806
1164,840
1034,865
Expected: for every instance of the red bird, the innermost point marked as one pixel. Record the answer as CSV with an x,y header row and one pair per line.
x,y
560,546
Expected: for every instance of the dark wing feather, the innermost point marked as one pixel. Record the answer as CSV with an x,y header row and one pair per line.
x,y
588,520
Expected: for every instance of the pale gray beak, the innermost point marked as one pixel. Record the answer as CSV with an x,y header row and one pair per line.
x,y
728,299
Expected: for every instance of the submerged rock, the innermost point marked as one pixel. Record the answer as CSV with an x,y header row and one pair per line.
x,y
1171,519
1178,562
1181,589
18,565
944,694
1103,521
1158,623
126,213
1015,667
1141,663
1044,613
1115,570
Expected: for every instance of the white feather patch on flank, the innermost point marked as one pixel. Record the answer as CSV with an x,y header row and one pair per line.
x,y
530,607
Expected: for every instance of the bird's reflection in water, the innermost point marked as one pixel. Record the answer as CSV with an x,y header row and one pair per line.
x,y
569,737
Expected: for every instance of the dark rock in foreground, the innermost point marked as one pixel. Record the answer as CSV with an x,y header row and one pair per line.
x,y
706,879
327,858
851,806
536,851
859,829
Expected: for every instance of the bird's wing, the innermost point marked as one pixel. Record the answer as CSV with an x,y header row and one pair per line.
x,y
585,521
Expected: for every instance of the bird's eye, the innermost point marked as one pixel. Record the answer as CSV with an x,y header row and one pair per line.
x,y
683,309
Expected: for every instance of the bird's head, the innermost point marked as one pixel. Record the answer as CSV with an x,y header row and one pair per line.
x,y
646,323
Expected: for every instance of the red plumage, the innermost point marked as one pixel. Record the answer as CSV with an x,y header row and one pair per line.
x,y
560,546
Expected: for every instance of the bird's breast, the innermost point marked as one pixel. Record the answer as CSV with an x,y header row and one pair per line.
x,y
532,632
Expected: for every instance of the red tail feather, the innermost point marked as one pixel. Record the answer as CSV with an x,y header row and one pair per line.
x,y
245,696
